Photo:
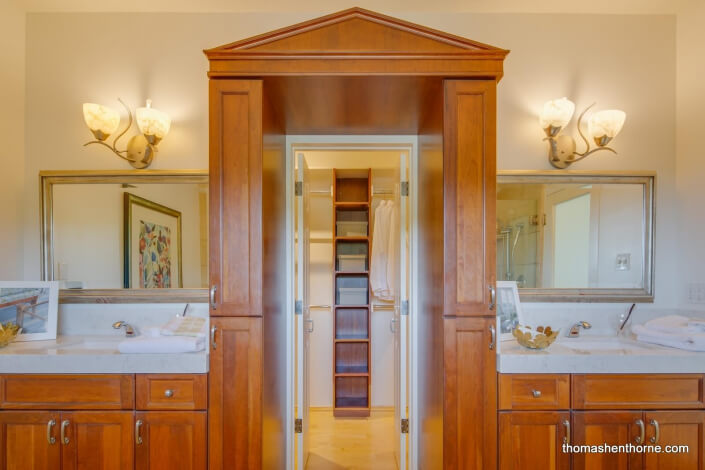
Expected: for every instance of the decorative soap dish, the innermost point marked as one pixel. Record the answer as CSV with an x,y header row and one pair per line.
x,y
539,338
8,332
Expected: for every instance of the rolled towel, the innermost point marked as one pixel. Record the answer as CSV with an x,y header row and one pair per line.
x,y
162,345
686,341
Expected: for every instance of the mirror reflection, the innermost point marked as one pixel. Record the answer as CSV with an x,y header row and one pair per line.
x,y
572,234
130,235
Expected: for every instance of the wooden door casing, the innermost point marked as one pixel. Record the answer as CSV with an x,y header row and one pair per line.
x,y
470,401
171,439
235,394
469,159
23,441
533,440
676,428
612,427
98,440
235,235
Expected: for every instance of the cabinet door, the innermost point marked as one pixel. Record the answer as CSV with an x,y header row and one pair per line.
x,y
469,180
97,440
595,428
29,440
236,197
170,439
686,428
531,440
470,410
235,394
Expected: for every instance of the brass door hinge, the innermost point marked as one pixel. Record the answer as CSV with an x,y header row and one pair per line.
x,y
404,426
298,426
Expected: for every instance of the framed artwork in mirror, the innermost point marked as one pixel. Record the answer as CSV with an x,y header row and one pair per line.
x,y
509,312
32,306
152,237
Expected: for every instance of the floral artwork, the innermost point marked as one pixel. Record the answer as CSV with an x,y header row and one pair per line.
x,y
154,256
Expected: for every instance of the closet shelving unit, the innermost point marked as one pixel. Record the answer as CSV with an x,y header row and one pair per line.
x,y
352,191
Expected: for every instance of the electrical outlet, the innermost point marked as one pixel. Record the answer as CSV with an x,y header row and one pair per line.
x,y
696,293
623,262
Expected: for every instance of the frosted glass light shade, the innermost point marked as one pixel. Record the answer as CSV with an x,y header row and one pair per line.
x,y
556,113
101,120
154,124
606,123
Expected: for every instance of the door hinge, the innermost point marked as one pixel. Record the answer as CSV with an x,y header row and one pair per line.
x,y
299,307
404,307
404,190
299,188
404,426
298,426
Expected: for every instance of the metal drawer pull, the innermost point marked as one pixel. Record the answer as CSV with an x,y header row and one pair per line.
x,y
138,432
493,337
213,337
657,431
536,393
642,432
168,393
64,424
50,428
493,297
212,296
566,438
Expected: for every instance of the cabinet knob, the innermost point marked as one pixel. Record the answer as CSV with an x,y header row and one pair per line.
x,y
536,393
168,393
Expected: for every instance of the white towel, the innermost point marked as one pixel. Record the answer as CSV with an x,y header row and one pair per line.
x,y
684,340
162,345
379,255
676,324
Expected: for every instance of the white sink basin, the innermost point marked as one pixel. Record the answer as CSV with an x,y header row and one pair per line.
x,y
602,344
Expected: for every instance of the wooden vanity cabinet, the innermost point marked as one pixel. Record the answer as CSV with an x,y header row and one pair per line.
x,y
612,427
23,440
676,428
532,440
167,440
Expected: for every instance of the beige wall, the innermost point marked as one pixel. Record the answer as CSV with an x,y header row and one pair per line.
x,y
72,58
12,78
690,161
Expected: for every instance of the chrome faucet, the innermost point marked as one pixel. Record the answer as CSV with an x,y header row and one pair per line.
x,y
574,331
129,331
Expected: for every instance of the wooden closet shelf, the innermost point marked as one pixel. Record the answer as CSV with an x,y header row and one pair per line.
x,y
352,340
351,204
356,238
361,273
352,374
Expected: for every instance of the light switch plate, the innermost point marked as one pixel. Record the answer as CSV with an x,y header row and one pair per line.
x,y
696,293
623,262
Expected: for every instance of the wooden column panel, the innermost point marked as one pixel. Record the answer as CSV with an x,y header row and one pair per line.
x,y
235,394
470,408
236,197
469,158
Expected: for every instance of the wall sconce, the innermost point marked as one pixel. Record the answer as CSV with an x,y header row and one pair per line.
x,y
104,121
603,126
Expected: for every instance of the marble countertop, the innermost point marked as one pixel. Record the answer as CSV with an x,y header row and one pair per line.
x,y
592,354
80,354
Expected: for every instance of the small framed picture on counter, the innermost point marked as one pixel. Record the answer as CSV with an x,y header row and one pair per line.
x,y
509,313
32,306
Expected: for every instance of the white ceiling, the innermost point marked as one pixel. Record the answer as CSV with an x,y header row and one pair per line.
x,y
328,6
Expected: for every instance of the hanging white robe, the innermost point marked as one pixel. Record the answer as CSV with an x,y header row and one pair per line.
x,y
380,245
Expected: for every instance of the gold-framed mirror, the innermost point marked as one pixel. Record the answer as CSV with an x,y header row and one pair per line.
x,y
125,236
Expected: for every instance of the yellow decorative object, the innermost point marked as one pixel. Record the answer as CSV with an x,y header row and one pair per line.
x,y
539,338
8,332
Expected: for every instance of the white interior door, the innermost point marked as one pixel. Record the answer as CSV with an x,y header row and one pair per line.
x,y
401,319
304,324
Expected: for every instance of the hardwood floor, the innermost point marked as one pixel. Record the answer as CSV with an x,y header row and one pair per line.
x,y
352,443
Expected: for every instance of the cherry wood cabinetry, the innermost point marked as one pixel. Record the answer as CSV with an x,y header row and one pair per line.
x,y
533,440
612,427
235,394
469,168
169,440
470,412
75,435
684,428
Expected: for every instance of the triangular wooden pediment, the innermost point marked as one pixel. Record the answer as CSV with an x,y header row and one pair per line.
x,y
356,32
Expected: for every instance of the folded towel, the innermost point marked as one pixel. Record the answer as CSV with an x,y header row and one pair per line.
x,y
162,345
675,324
185,326
688,341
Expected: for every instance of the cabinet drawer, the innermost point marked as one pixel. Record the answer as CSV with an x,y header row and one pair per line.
x,y
642,391
534,391
172,392
67,392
